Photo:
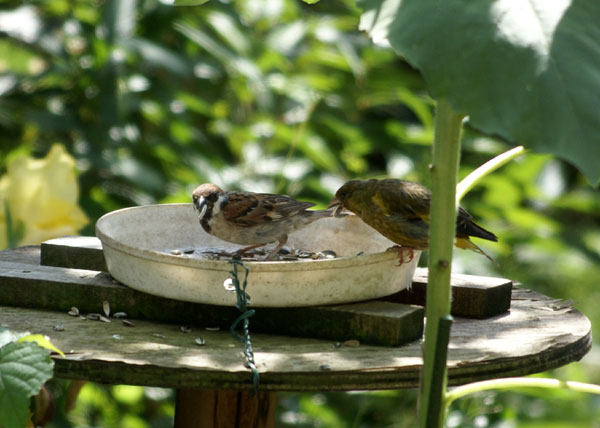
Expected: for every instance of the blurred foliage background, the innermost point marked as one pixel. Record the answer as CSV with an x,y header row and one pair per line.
x,y
274,96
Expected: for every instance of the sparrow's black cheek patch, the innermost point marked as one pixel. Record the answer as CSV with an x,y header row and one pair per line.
x,y
204,223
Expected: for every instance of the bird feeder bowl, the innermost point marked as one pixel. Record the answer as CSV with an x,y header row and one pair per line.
x,y
154,249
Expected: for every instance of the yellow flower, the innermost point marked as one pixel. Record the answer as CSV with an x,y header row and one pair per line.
x,y
41,195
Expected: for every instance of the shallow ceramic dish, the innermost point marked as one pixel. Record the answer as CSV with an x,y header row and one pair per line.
x,y
138,244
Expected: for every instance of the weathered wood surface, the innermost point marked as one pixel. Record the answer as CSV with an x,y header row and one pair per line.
x,y
49,287
472,296
79,252
537,334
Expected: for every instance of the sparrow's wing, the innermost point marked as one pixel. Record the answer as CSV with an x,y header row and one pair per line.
x,y
249,209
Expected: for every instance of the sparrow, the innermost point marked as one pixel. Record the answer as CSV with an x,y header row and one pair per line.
x,y
251,219
399,210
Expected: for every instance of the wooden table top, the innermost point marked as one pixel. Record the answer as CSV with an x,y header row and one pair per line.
x,y
539,333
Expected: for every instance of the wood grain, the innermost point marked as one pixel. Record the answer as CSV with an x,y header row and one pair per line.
x,y
224,409
472,296
49,287
538,334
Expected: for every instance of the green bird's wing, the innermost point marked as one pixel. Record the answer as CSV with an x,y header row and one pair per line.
x,y
407,200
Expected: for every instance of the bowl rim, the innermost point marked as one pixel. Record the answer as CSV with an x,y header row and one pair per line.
x,y
225,265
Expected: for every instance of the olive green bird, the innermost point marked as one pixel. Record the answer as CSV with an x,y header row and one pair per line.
x,y
399,210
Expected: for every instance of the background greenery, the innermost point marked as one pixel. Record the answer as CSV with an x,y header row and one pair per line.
x,y
278,96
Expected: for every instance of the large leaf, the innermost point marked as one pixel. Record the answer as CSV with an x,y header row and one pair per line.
x,y
528,71
24,367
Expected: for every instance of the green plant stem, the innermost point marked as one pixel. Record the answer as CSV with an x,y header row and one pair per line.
x,y
297,135
490,166
444,172
518,382
436,401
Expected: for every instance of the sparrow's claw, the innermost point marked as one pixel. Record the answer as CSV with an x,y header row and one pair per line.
x,y
400,251
242,251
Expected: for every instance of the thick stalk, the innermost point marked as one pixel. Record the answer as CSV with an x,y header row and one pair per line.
x,y
444,173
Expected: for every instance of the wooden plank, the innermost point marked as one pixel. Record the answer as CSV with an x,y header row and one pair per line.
x,y
48,287
374,322
78,252
473,296
224,409
29,254
538,334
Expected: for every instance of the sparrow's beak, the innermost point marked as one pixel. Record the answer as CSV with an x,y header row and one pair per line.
x,y
337,205
200,206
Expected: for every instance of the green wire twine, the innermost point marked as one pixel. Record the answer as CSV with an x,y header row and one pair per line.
x,y
242,300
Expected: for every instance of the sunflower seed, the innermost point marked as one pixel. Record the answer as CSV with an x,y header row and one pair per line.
x,y
93,316
200,341
127,323
104,319
74,312
185,328
106,308
329,254
58,328
119,315
116,336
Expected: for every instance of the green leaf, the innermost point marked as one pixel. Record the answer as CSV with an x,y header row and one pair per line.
x,y
24,367
315,149
205,41
42,341
527,71
15,229
159,56
187,2
226,27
